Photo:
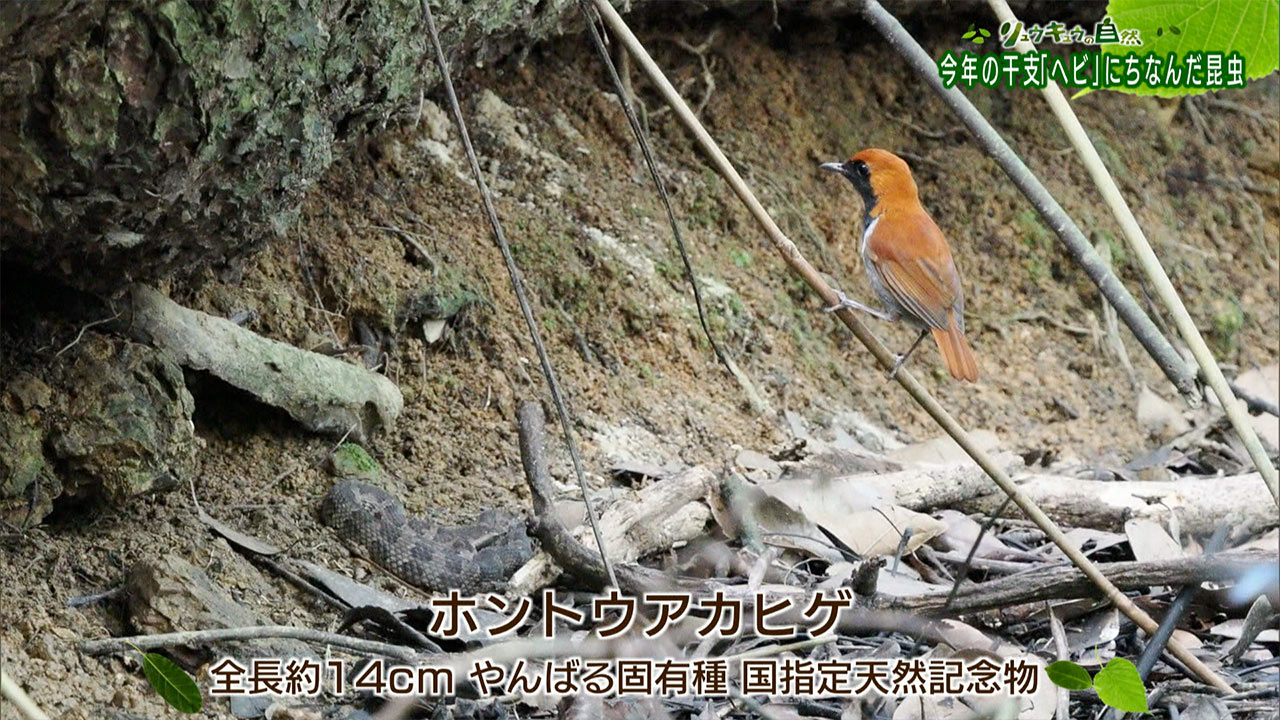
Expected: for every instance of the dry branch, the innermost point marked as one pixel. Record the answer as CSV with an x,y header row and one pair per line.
x,y
663,514
1181,604
927,487
256,632
1064,582
560,549
322,393
1200,505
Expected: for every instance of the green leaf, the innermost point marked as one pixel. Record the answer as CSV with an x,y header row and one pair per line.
x,y
967,35
1069,676
1249,27
1119,686
978,41
172,683
985,34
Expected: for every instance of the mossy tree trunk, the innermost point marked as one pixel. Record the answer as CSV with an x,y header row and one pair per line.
x,y
148,140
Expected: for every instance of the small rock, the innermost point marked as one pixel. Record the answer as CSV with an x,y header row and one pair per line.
x,y
30,392
42,647
121,698
279,711
113,416
433,329
1159,417
170,594
24,469
751,461
249,706
126,426
435,122
498,123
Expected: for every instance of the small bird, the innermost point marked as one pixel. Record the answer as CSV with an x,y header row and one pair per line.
x,y
907,259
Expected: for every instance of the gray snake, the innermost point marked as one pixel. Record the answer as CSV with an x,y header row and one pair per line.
x,y
477,557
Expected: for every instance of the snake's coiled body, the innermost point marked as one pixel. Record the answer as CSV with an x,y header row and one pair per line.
x,y
478,557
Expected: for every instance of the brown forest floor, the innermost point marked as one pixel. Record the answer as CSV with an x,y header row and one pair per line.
x,y
783,102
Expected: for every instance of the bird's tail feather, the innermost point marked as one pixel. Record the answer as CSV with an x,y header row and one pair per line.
x,y
956,352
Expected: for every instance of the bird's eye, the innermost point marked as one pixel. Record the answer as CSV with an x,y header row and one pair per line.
x,y
861,169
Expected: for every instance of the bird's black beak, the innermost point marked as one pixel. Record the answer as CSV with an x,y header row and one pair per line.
x,y
856,173
837,167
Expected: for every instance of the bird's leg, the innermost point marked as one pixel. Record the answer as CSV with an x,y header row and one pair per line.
x,y
902,359
845,302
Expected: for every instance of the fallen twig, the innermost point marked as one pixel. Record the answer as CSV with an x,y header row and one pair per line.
x,y
556,539
999,567
1049,319
94,598
1059,633
1061,582
1201,505
256,632
1242,109
1260,616
1155,645
923,132
83,328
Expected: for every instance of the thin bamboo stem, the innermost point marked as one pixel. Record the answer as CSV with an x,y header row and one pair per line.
x,y
14,693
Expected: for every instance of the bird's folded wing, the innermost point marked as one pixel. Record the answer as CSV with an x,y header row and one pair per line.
x,y
926,287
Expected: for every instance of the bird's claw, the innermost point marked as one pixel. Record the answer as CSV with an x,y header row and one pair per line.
x,y
845,302
898,362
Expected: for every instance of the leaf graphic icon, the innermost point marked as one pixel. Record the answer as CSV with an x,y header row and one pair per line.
x,y
1069,676
1119,686
171,682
